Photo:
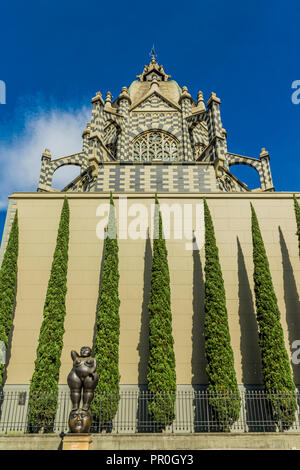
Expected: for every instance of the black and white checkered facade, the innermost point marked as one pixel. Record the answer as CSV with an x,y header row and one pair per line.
x,y
201,162
170,177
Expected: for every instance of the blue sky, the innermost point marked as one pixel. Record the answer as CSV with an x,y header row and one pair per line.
x,y
56,55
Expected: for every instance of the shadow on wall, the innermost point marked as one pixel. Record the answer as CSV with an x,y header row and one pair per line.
x,y
198,340
291,299
249,345
199,375
143,346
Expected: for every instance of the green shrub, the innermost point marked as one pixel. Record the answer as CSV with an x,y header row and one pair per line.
x,y
161,366
222,382
275,361
44,382
8,280
106,343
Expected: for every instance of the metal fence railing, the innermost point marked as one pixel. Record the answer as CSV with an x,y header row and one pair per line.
x,y
144,412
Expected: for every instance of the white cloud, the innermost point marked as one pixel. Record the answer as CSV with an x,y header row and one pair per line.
x,y
20,159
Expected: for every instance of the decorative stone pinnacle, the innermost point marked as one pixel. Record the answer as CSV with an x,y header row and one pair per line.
x,y
87,130
213,97
200,99
46,154
264,153
98,97
108,97
185,94
124,94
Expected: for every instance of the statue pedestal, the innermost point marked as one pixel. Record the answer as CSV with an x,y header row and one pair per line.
x,y
77,441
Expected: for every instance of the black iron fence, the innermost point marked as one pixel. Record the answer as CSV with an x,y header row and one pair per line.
x,y
144,412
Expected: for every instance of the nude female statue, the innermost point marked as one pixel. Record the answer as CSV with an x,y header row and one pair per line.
x,y
83,376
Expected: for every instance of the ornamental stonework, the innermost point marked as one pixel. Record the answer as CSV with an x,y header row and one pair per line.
x,y
154,121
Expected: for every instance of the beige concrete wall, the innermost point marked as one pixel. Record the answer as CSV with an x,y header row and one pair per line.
x,y
39,217
188,442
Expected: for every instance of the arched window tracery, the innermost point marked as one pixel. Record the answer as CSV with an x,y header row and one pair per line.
x,y
155,146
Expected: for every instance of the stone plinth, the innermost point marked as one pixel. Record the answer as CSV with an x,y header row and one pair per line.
x,y
77,442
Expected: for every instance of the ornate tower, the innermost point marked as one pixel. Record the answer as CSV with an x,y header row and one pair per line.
x,y
155,137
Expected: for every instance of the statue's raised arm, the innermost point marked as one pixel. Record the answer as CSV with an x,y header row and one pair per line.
x,y
74,355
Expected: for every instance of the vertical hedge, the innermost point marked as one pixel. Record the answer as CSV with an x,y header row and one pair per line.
x,y
106,342
161,375
8,279
275,361
44,382
222,382
297,214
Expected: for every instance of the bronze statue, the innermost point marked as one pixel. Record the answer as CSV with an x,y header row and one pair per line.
x,y
82,378
80,421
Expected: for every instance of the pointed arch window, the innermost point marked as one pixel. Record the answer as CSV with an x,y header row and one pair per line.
x,y
155,146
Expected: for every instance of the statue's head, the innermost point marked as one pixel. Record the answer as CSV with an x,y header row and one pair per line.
x,y
85,351
80,421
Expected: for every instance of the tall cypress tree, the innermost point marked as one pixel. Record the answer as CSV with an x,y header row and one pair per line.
x,y
275,361
44,382
8,280
106,342
161,366
297,214
220,361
